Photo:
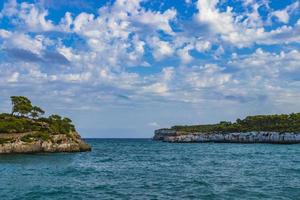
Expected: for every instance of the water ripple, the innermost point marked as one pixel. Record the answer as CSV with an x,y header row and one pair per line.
x,y
143,169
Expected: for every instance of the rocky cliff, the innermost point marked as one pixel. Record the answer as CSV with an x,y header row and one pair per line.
x,y
34,142
169,135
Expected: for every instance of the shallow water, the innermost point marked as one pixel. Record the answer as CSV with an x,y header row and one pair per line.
x,y
144,169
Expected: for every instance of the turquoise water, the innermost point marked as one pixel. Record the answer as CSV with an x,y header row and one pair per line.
x,y
144,169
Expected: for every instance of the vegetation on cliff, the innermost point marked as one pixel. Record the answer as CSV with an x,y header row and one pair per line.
x,y
26,117
276,123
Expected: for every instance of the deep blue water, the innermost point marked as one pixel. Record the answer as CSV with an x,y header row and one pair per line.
x,y
144,169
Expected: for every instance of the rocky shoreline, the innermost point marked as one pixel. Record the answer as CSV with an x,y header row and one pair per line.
x,y
172,136
13,143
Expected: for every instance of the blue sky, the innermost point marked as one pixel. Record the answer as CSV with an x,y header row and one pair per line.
x,y
125,68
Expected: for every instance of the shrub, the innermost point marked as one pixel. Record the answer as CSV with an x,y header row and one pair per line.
x,y
36,136
5,140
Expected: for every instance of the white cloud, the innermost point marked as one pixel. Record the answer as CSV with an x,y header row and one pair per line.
x,y
184,53
242,30
274,75
36,74
9,8
69,53
157,88
270,64
13,78
82,20
159,84
23,41
4,33
161,49
66,22
119,36
77,77
283,35
209,75
153,124
227,24
221,22
168,73
202,46
219,52
284,15
33,17
109,34
157,20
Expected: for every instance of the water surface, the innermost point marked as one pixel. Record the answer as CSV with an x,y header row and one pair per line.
x,y
144,169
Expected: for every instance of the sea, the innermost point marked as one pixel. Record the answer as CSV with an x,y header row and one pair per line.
x,y
145,169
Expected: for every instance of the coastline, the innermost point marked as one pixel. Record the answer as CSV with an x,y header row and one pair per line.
x,y
13,144
172,136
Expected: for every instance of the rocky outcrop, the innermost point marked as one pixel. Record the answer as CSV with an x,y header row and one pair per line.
x,y
168,135
13,143
162,133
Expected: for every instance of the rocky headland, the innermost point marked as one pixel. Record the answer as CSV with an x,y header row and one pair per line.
x,y
25,131
276,129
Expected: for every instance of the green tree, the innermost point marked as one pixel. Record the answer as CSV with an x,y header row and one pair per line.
x,y
36,112
21,105
55,118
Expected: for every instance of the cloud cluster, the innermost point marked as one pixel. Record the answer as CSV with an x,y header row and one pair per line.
x,y
248,28
126,53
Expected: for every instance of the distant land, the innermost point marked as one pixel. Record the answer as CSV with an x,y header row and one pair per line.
x,y
25,131
280,129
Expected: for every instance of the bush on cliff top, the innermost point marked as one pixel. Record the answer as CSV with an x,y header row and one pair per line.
x,y
276,123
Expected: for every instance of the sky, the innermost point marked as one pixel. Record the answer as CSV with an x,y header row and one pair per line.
x,y
123,68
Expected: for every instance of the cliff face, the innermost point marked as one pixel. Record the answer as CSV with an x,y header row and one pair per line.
x,y
14,143
247,137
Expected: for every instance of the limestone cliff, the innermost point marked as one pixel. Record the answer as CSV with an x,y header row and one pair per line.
x,y
169,135
31,142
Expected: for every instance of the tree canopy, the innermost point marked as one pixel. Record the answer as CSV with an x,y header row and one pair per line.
x,y
36,112
22,106
26,117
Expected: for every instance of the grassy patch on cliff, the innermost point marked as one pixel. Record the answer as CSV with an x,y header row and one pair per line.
x,y
36,136
276,123
5,140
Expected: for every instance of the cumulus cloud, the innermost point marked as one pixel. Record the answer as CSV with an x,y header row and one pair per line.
x,y
271,64
28,15
260,72
202,46
206,76
284,14
161,49
13,77
4,33
157,20
244,29
22,41
184,54
104,51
